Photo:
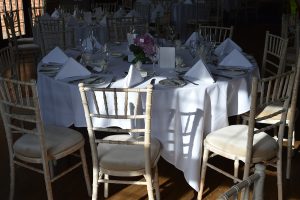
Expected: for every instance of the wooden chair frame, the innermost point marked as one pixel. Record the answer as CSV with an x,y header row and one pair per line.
x,y
107,7
120,109
215,34
22,51
265,92
8,62
22,96
274,55
118,27
257,179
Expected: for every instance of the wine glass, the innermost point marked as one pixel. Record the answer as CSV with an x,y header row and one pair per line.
x,y
194,44
154,58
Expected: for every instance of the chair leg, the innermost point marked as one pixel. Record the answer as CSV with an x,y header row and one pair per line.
x,y
47,178
289,152
85,171
279,176
203,173
95,183
236,169
12,180
106,176
149,186
156,184
51,164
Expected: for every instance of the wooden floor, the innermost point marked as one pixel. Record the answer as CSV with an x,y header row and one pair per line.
x,y
30,185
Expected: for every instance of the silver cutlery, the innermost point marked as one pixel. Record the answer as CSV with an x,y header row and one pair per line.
x,y
187,80
221,75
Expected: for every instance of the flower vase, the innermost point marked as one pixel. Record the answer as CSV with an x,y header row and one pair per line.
x,y
138,65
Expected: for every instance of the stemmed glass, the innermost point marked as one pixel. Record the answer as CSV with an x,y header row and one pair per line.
x,y
172,33
194,45
154,57
106,53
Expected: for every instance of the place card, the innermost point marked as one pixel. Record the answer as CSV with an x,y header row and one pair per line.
x,y
166,57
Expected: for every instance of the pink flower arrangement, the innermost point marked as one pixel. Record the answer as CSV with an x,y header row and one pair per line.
x,y
146,43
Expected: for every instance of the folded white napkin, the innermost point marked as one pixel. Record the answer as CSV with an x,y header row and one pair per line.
x,y
70,69
103,21
87,17
56,55
166,57
87,43
226,47
55,14
193,36
133,13
157,12
72,21
133,77
199,72
119,13
236,59
189,2
99,11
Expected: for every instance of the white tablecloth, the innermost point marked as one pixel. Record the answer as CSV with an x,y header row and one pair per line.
x,y
181,117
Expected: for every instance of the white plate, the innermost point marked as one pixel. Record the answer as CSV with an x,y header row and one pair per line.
x,y
172,82
95,80
231,73
116,54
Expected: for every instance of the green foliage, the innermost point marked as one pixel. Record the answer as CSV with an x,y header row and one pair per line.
x,y
139,54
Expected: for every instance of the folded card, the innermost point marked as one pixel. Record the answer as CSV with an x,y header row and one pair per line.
x,y
166,57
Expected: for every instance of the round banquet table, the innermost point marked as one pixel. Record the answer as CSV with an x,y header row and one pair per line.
x,y
181,116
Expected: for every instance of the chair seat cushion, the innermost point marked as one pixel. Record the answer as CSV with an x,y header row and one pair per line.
x,y
232,140
28,47
57,139
25,40
126,157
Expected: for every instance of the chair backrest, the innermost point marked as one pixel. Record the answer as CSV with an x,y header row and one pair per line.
x,y
143,10
127,4
115,104
215,34
270,91
107,7
16,99
209,12
8,61
52,33
12,25
256,179
288,24
274,55
118,27
34,13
